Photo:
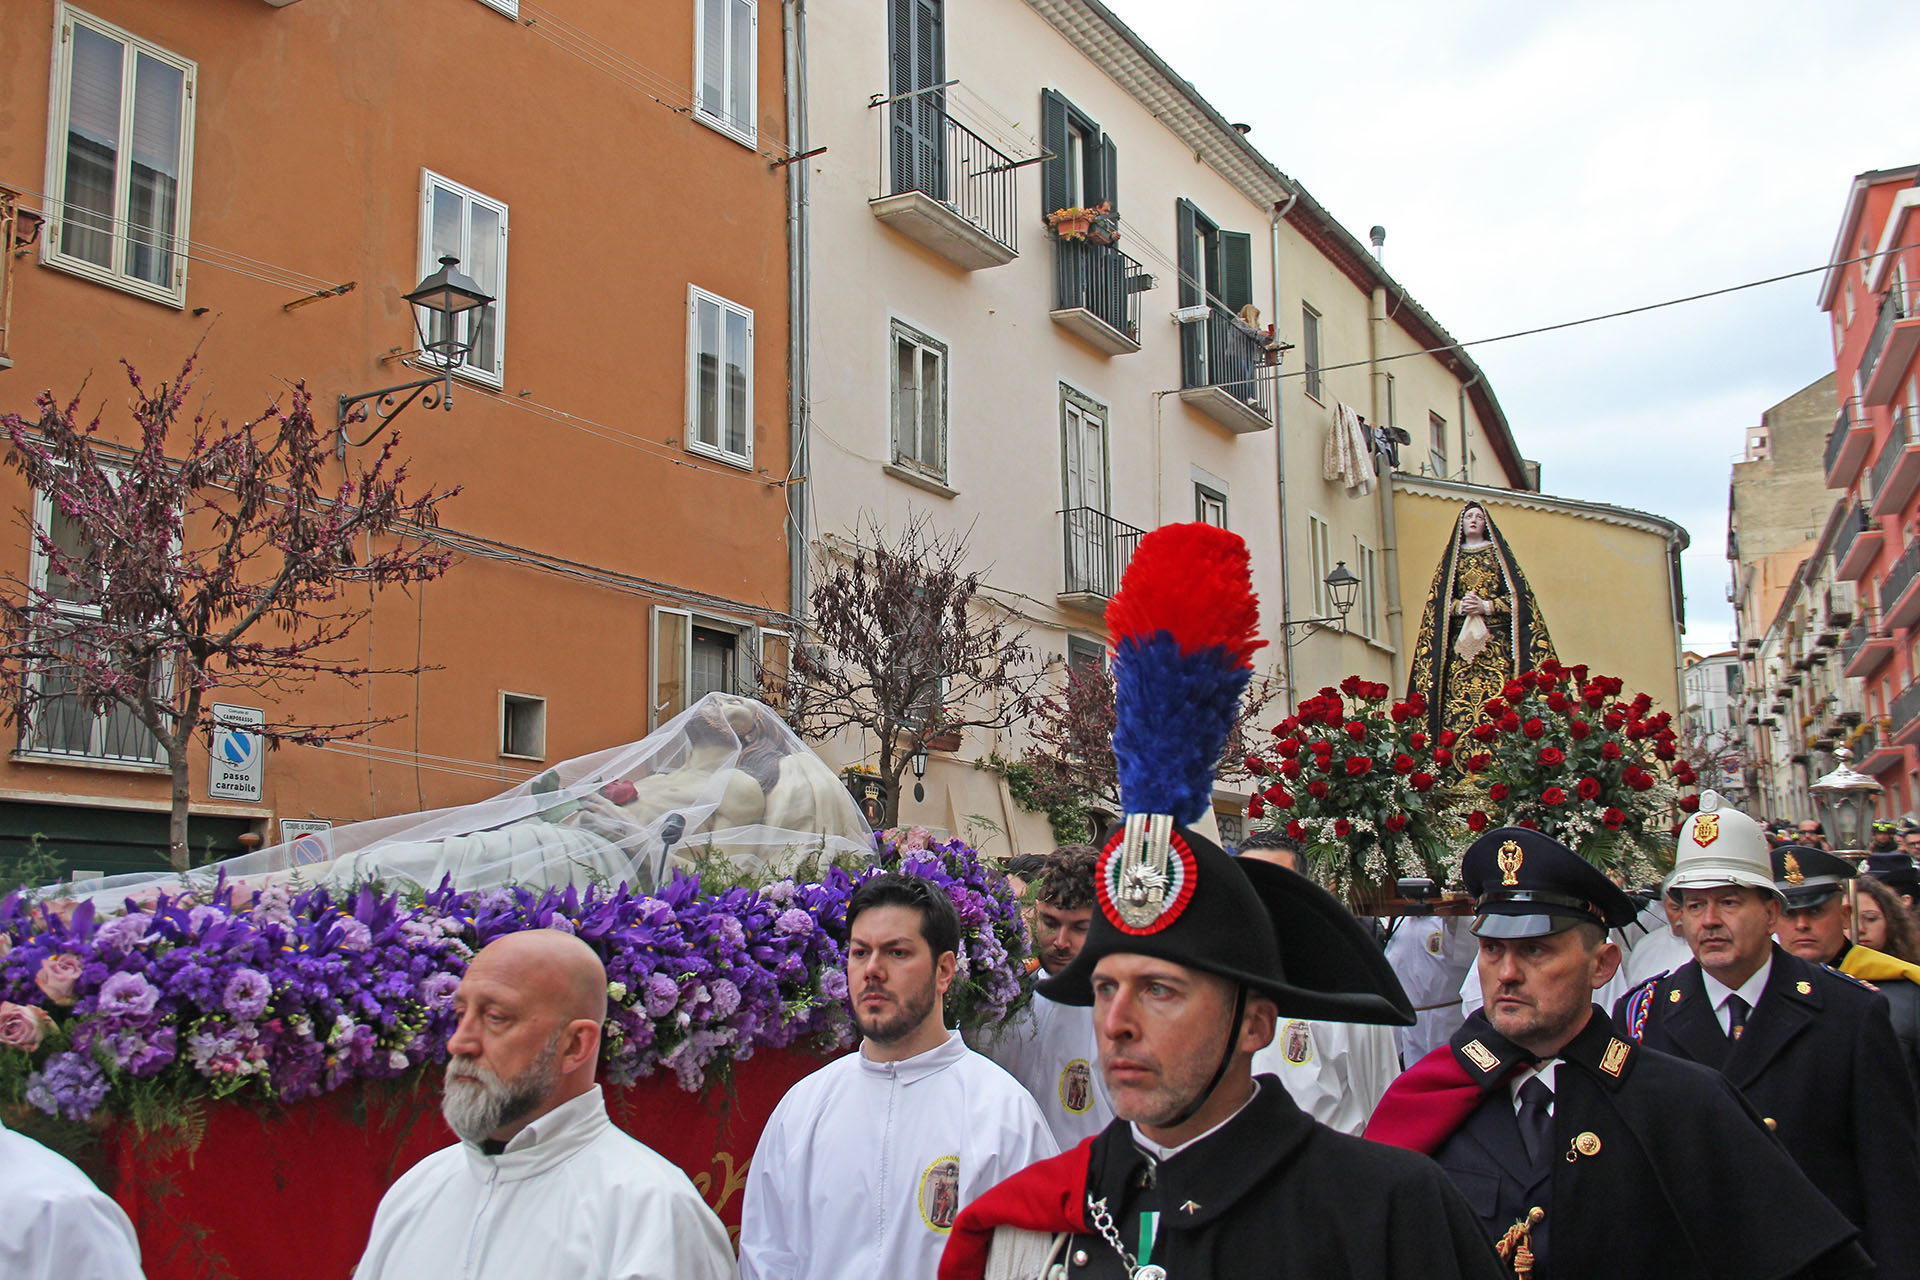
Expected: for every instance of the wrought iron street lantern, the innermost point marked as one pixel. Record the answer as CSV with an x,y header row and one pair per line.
x,y
1846,799
445,306
1342,585
919,762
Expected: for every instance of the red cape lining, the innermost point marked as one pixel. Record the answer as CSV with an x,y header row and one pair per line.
x,y
1422,1108
1049,1196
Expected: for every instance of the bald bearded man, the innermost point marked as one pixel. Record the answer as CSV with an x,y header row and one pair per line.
x,y
541,1182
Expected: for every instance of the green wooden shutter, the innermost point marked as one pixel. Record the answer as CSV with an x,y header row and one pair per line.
x,y
916,54
1053,136
1193,337
1236,269
1109,173
1186,223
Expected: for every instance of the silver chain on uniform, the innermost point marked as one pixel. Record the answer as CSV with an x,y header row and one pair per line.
x,y
1103,1223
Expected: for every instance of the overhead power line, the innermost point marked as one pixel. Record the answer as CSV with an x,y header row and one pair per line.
x,y
1595,319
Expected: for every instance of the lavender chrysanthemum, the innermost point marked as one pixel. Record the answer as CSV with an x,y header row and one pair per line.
x,y
127,996
247,994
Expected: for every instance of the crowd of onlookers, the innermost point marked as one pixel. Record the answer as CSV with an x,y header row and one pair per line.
x,y
1885,918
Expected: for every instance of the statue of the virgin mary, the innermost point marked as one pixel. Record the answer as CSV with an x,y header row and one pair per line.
x,y
1481,627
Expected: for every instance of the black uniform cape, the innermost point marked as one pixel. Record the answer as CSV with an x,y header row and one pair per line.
x,y
1660,1168
1819,1061
1271,1193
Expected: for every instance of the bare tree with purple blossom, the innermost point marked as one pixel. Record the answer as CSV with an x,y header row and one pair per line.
x,y
905,650
205,557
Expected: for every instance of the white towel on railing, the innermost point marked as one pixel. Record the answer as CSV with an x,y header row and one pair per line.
x,y
1346,457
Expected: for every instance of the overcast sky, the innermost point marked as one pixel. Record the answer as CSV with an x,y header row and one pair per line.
x,y
1534,163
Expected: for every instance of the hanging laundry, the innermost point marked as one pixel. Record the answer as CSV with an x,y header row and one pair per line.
x,y
1347,457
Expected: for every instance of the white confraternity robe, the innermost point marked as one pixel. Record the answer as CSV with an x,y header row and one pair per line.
x,y
1336,1071
1050,1049
54,1223
864,1165
1431,955
570,1196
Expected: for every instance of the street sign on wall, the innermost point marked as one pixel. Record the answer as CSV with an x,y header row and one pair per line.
x,y
236,763
311,839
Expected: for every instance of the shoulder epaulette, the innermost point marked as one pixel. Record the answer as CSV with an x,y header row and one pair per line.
x,y
1856,981
1640,1004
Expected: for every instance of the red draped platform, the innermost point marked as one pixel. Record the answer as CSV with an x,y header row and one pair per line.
x,y
288,1194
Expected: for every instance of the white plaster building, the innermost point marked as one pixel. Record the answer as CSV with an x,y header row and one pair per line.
x,y
1057,397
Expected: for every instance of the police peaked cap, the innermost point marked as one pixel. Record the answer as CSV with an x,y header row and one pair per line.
x,y
1527,885
1262,926
1807,876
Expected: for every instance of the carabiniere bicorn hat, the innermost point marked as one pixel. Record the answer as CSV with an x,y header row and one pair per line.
x,y
1528,885
1184,626
1807,877
1720,845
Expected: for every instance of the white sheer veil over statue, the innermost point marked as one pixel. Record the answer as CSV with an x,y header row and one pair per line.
x,y
725,780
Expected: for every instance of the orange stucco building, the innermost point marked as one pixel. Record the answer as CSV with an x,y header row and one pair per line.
x,y
268,179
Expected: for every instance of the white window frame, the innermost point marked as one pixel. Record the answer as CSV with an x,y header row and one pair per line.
x,y
901,332
174,293
1083,649
1312,383
744,132
1208,499
494,375
96,753
1320,561
1436,444
750,653
695,296
1366,567
530,700
509,7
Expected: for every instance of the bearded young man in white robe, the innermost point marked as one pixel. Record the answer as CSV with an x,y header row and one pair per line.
x,y
1049,1047
541,1183
54,1223
866,1162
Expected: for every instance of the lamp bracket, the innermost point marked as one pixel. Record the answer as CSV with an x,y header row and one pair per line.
x,y
387,403
1309,626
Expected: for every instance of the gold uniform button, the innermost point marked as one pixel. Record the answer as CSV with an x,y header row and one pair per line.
x,y
1771,1123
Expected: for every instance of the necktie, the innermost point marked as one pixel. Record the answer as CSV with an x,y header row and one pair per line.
x,y
1736,1017
1536,1125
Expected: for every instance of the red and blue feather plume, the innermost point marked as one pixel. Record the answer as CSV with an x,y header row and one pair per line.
x,y
1183,627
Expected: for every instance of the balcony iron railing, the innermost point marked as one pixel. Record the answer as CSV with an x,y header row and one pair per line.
x,y
1898,578
1890,452
1852,642
1853,526
936,155
1095,277
1866,744
1098,548
1220,351
1838,438
1905,708
1897,306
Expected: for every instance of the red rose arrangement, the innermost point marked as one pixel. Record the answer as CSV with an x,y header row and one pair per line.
x,y
1565,752
1352,775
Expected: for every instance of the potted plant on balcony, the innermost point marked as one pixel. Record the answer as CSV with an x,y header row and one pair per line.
x,y
1075,221
1105,226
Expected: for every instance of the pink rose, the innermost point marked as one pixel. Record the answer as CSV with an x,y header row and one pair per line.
x,y
58,973
22,1026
